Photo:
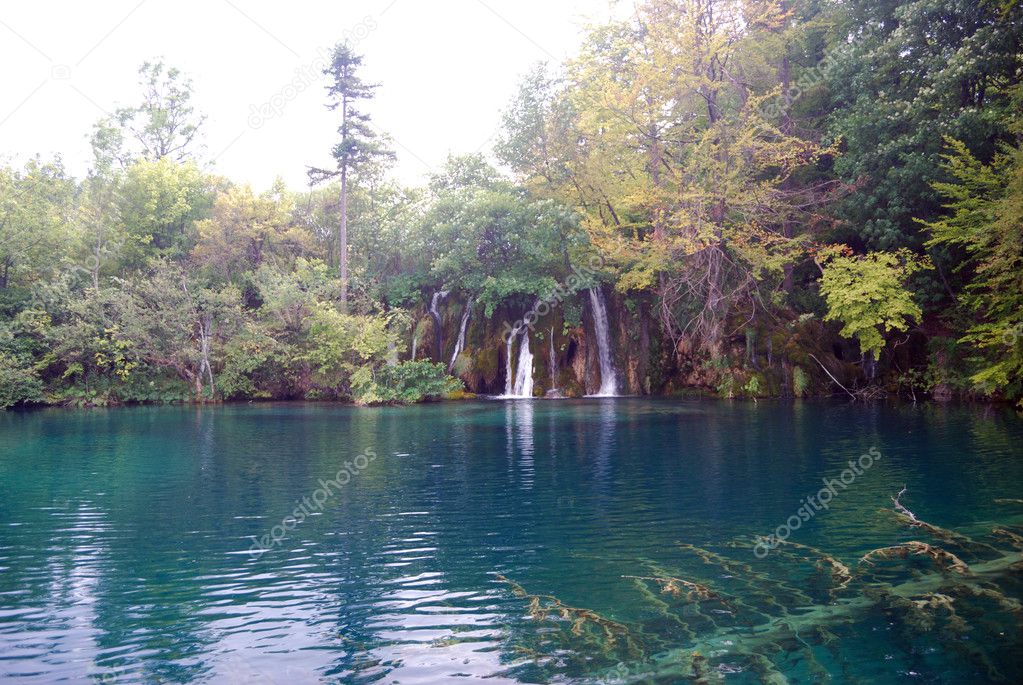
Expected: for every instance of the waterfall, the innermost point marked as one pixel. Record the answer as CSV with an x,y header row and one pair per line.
x,y
415,341
460,343
509,377
608,384
518,383
552,361
524,374
437,323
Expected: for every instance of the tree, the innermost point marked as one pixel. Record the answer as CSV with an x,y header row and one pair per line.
x,y
359,146
538,132
163,125
495,240
985,218
159,204
868,295
902,75
683,178
176,321
245,229
35,207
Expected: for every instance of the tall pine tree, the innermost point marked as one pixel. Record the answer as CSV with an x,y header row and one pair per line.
x,y
359,145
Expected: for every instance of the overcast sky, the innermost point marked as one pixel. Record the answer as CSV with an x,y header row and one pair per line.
x,y
446,68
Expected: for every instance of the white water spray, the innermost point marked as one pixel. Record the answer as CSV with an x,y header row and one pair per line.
x,y
608,382
524,374
518,382
437,323
460,342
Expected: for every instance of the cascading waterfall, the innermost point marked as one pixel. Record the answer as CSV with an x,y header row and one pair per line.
x,y
608,382
524,374
518,382
437,323
460,342
509,377
552,361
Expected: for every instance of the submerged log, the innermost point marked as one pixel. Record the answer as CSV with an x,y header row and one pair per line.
x,y
541,607
942,558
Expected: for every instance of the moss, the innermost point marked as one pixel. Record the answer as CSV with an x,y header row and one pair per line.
x,y
460,395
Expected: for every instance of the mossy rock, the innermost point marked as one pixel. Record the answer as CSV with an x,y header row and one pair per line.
x,y
460,395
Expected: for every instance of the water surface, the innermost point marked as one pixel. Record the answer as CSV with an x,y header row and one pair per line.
x,y
518,541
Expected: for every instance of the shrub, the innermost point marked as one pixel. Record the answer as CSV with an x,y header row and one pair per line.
x,y
18,383
404,383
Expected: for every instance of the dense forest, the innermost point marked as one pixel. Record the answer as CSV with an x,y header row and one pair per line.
x,y
748,198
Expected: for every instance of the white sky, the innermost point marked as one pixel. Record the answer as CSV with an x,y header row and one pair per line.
x,y
446,68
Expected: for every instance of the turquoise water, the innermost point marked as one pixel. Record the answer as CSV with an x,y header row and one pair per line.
x,y
521,541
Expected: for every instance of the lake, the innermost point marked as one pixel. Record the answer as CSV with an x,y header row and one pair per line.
x,y
591,541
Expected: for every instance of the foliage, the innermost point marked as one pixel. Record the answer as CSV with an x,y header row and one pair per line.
x,y
694,154
164,125
34,203
245,229
404,383
18,383
341,345
985,219
498,242
159,205
359,148
913,72
867,294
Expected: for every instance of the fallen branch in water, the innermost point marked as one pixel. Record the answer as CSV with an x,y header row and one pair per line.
x,y
542,606
903,514
838,572
1014,539
942,558
678,587
832,377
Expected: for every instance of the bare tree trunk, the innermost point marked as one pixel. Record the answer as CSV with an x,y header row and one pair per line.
x,y
205,330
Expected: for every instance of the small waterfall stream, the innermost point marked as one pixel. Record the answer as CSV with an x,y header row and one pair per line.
x,y
608,381
509,375
524,374
518,381
460,342
438,323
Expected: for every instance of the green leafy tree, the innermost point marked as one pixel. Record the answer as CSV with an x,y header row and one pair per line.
x,y
164,125
19,382
245,229
179,323
494,240
902,75
868,294
405,383
344,347
36,204
159,204
985,218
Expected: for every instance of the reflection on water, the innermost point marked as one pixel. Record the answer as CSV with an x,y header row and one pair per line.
x,y
509,541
